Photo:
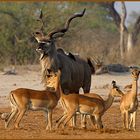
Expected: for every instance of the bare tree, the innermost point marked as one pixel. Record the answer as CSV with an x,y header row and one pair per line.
x,y
119,20
122,28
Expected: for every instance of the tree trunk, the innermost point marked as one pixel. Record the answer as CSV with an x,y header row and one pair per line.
x,y
122,42
120,23
122,29
129,44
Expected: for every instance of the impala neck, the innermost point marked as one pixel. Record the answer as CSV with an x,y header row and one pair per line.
x,y
60,91
134,88
109,101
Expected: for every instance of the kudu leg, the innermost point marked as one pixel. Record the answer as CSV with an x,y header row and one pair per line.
x,y
86,87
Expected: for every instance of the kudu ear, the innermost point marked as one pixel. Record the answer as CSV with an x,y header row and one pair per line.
x,y
59,71
58,35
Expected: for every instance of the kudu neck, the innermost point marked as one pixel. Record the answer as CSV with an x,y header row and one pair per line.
x,y
52,52
50,60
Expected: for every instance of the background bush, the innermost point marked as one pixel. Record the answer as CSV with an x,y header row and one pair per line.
x,y
95,34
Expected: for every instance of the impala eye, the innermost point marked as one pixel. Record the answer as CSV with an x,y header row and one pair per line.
x,y
117,89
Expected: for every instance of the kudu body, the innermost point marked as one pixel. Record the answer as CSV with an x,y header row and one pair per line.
x,y
76,72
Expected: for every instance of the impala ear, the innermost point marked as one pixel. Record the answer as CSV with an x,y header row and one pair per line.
x,y
131,68
113,83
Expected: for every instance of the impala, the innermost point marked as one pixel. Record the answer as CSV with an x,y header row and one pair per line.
x,y
23,99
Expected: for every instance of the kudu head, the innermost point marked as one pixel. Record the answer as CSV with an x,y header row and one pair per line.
x,y
46,42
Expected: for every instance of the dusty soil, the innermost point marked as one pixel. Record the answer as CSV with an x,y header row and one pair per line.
x,y
33,123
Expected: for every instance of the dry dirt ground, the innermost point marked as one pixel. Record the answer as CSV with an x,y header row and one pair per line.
x,y
33,123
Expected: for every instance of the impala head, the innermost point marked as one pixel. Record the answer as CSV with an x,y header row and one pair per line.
x,y
134,73
48,41
53,79
115,90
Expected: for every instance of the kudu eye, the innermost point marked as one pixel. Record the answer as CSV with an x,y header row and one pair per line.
x,y
37,33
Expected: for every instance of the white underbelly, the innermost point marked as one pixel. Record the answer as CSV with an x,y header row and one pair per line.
x,y
86,110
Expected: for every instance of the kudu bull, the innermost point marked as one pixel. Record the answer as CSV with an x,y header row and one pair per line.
x,y
76,72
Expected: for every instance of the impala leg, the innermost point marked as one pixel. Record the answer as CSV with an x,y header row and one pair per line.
x,y
131,120
68,117
17,121
92,119
49,122
98,121
123,119
73,121
61,120
127,119
83,121
10,117
134,121
16,116
7,117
